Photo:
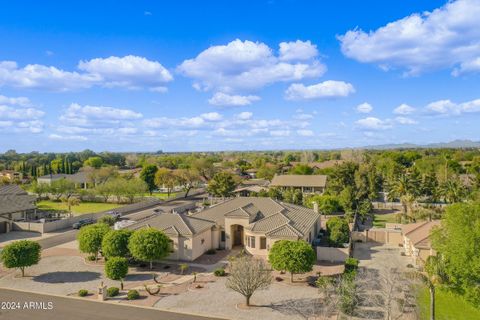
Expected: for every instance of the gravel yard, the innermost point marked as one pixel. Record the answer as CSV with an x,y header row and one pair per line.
x,y
280,301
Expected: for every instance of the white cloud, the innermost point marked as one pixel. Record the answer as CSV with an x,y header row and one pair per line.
x,y
78,114
20,113
223,99
54,136
305,133
372,123
244,115
20,101
212,116
444,38
326,89
129,71
43,77
298,50
245,65
364,108
404,109
405,120
447,107
280,133
303,116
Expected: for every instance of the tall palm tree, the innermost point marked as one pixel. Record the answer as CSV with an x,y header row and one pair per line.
x,y
434,275
452,191
406,189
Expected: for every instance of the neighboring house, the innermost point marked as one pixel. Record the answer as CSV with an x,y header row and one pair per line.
x,y
305,183
15,204
253,223
252,173
11,175
80,178
416,240
251,186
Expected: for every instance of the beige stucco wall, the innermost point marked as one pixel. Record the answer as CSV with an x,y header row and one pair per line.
x,y
189,249
229,222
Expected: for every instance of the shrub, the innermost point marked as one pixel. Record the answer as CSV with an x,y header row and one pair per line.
x,y
113,291
91,258
133,295
211,251
82,293
220,272
351,264
21,254
108,220
338,231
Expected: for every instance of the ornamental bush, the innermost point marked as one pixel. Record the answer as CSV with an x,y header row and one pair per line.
x,y
21,254
113,291
220,272
82,293
133,295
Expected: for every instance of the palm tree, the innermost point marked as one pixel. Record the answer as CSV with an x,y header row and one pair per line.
x,y
434,275
452,191
405,188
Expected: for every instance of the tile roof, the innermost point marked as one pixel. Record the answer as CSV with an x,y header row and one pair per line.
x,y
176,224
297,180
419,233
265,215
14,199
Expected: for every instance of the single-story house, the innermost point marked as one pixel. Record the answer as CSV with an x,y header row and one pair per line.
x,y
305,183
416,240
251,222
15,204
11,175
80,179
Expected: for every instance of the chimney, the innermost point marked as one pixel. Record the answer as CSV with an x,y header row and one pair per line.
x,y
315,207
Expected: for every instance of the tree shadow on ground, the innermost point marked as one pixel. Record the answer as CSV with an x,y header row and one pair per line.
x,y
305,308
67,277
139,277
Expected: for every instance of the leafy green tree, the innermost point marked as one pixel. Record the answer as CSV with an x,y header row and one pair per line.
x,y
41,189
70,202
338,231
116,268
148,175
164,178
20,254
453,191
292,256
90,238
62,188
94,162
188,178
302,169
149,245
365,209
222,184
115,243
347,200
458,240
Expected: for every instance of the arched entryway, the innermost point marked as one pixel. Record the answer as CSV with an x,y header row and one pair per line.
x,y
236,231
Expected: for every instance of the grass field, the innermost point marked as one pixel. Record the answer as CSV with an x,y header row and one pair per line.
x,y
380,219
448,306
84,207
161,195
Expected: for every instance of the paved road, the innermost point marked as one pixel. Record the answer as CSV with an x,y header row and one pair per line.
x,y
70,235
78,309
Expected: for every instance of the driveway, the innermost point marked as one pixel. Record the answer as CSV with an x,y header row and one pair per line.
x,y
377,256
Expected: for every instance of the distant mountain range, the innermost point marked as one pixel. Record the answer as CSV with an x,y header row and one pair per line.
x,y
452,144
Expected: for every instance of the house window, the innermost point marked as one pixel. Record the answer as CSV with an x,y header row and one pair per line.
x,y
251,242
222,236
263,243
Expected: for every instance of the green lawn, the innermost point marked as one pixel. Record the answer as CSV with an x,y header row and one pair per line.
x,y
84,207
161,195
380,219
448,306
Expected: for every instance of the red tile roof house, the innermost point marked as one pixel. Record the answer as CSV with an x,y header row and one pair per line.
x,y
416,240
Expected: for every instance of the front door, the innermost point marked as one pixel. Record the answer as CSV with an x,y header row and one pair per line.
x,y
238,236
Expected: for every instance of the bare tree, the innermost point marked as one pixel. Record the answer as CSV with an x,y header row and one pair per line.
x,y
386,292
248,275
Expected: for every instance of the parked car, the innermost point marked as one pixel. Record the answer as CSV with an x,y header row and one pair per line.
x,y
116,215
83,222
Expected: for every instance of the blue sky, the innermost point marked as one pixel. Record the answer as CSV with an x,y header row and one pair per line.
x,y
237,75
